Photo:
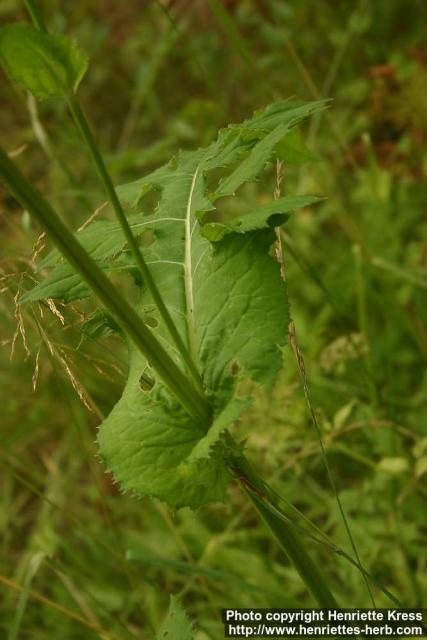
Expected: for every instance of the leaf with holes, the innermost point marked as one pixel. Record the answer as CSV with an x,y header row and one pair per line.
x,y
223,288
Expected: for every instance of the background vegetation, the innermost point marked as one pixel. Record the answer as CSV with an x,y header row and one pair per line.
x,y
166,75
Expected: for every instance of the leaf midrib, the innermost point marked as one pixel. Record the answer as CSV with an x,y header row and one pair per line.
x,y
188,273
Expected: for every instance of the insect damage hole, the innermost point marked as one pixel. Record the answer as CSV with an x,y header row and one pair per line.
x,y
235,369
151,322
146,383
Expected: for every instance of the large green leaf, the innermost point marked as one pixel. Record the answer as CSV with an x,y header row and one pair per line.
x,y
105,241
222,286
45,64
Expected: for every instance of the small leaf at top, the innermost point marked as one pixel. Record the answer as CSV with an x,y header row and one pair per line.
x,y
46,65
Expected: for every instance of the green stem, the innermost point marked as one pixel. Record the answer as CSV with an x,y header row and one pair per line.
x,y
87,135
259,494
35,14
310,574
132,324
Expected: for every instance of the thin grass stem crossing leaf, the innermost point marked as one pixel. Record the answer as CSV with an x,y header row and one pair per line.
x,y
47,65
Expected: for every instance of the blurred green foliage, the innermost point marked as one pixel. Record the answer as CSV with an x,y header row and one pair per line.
x,y
163,76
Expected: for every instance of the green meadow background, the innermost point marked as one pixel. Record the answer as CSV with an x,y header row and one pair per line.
x,y
79,560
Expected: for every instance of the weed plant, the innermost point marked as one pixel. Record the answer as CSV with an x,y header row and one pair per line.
x,y
85,557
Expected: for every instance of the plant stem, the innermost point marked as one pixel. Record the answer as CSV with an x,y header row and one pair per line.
x,y
35,14
87,135
310,574
131,323
259,494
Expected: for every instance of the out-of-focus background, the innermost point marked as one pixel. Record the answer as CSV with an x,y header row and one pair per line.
x,y
163,76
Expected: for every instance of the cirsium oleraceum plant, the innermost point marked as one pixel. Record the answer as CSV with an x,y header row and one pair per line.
x,y
213,290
